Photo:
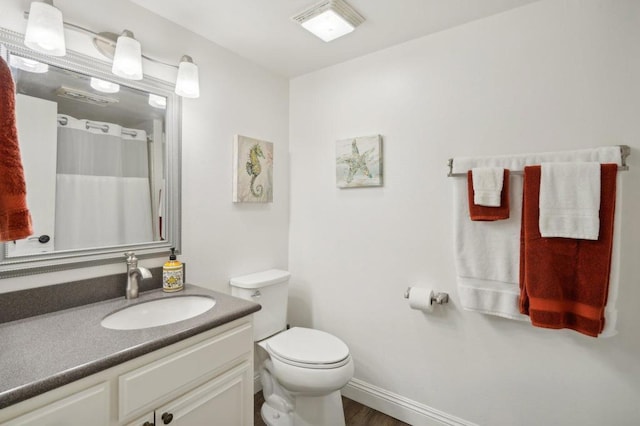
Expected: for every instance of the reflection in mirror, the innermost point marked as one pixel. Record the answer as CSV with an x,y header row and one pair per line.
x,y
100,142
98,155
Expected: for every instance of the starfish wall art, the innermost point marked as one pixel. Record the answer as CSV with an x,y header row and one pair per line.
x,y
359,162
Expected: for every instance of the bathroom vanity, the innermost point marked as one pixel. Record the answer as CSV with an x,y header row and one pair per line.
x,y
64,367
58,364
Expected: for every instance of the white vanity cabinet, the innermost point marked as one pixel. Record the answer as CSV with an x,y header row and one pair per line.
x,y
87,407
206,379
218,402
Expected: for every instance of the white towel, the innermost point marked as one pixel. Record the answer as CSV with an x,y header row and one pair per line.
x,y
610,310
487,185
570,200
487,254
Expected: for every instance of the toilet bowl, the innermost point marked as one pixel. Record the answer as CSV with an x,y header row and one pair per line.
x,y
302,376
301,370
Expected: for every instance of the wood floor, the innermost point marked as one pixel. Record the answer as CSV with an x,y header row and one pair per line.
x,y
355,414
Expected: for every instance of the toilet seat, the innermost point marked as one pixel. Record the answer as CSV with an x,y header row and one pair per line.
x,y
308,348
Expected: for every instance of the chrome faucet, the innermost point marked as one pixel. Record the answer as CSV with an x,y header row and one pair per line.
x,y
134,274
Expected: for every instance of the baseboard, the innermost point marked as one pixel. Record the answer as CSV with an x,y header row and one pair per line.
x,y
397,406
391,404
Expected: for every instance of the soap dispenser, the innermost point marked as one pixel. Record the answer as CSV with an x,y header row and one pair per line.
x,y
172,273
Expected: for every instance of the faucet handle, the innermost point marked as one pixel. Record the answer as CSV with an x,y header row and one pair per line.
x,y
131,257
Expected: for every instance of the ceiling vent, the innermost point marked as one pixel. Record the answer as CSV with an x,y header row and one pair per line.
x,y
82,96
329,19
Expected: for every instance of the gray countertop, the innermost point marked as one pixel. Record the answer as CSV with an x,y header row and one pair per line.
x,y
43,352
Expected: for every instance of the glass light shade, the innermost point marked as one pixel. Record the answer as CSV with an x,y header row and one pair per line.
x,y
45,32
187,83
27,64
104,86
127,59
328,26
157,101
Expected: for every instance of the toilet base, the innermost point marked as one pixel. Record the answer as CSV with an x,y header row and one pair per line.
x,y
274,417
309,411
319,410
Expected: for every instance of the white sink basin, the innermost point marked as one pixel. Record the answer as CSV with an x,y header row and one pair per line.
x,y
158,312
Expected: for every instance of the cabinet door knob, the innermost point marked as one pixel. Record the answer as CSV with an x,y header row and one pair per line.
x,y
148,424
166,418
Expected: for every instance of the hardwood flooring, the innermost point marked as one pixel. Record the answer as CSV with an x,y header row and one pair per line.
x,y
355,414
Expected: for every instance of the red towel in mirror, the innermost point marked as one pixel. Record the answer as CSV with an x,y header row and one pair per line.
x,y
15,220
564,282
483,213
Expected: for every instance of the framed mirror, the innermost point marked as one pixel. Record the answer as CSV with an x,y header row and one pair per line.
x,y
101,157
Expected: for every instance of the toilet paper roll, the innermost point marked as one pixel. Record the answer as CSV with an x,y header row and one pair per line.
x,y
420,298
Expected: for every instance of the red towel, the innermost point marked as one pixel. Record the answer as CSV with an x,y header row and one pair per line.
x,y
15,220
484,213
564,282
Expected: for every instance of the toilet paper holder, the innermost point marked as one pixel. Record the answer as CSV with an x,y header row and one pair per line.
x,y
438,298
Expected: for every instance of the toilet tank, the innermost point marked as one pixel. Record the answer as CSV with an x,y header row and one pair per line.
x,y
270,290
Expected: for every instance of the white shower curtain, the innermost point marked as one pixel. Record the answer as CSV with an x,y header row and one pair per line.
x,y
102,194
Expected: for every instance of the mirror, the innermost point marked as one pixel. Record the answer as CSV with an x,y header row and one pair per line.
x,y
101,157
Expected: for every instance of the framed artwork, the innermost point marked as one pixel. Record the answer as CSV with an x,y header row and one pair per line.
x,y
252,170
359,162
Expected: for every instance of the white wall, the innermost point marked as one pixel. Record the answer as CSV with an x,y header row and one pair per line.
x,y
219,239
554,75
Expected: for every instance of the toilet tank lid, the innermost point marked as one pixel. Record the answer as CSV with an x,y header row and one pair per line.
x,y
260,279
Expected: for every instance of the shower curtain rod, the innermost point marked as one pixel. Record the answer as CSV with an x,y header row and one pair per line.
x,y
625,151
104,127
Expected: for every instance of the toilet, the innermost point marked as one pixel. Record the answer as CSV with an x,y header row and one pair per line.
x,y
302,370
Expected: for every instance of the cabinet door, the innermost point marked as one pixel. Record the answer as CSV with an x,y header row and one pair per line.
x,y
139,389
88,407
225,400
146,420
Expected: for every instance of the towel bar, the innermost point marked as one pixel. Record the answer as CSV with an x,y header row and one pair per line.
x,y
625,151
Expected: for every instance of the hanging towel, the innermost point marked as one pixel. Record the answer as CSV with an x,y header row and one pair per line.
x,y
15,220
487,254
610,311
487,185
482,213
570,200
564,282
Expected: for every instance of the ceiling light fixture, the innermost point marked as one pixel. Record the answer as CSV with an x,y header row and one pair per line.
x,y
329,19
45,31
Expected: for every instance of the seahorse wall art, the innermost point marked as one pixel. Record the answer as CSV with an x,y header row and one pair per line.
x,y
253,170
359,162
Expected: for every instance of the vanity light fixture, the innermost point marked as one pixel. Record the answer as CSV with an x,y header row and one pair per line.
x,y
329,19
187,83
45,31
127,58
125,51
104,86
